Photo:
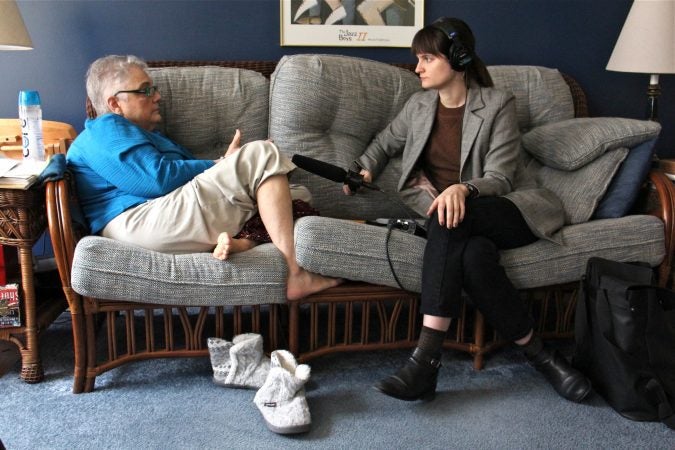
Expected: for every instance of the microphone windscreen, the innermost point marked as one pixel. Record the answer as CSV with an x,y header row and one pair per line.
x,y
320,168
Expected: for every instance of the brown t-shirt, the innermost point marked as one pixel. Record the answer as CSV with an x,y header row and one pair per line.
x,y
441,156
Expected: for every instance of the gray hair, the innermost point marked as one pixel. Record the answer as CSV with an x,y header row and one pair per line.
x,y
106,75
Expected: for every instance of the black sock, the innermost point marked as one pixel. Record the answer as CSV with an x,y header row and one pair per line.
x,y
534,346
431,342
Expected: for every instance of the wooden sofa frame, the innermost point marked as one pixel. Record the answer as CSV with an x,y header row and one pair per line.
x,y
353,316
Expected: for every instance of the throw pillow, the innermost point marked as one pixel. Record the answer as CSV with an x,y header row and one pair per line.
x,y
625,186
571,144
581,190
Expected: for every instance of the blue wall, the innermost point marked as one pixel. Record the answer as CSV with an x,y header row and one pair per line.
x,y
576,36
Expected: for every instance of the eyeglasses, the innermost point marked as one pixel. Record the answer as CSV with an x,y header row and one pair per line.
x,y
147,91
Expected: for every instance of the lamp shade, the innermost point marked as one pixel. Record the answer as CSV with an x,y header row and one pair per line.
x,y
647,41
13,33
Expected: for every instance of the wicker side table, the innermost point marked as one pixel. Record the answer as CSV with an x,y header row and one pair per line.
x,y
22,221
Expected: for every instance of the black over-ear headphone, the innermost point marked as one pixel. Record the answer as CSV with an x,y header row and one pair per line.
x,y
458,54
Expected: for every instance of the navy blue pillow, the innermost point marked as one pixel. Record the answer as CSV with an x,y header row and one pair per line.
x,y
624,188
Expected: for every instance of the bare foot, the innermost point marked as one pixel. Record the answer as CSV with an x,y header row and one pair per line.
x,y
305,283
227,245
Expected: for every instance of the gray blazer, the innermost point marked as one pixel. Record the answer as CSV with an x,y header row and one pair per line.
x,y
491,155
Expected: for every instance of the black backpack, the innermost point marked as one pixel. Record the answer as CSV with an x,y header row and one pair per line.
x,y
625,339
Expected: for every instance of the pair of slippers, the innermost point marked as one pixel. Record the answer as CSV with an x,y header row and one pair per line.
x,y
280,380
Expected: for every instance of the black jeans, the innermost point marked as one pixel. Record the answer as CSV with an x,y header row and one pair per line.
x,y
467,258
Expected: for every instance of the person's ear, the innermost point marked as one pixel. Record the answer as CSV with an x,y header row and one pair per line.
x,y
114,105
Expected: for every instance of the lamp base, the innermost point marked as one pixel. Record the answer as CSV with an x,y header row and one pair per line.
x,y
653,92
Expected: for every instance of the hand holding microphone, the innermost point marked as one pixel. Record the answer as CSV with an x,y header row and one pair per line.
x,y
352,180
365,177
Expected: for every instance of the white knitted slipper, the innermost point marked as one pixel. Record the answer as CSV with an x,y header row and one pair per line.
x,y
240,363
281,400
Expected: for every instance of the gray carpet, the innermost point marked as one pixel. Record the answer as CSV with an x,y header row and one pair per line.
x,y
173,404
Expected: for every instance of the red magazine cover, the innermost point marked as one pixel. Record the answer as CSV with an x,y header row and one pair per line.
x,y
10,315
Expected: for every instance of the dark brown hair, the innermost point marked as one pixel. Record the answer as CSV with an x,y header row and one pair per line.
x,y
433,40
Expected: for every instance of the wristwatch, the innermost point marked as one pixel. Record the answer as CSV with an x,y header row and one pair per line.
x,y
473,190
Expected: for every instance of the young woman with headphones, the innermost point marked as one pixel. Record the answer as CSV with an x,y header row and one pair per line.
x,y
461,168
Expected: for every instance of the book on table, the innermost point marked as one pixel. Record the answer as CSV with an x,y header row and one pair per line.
x,y
19,173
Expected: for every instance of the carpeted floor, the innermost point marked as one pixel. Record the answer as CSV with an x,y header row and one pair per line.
x,y
173,404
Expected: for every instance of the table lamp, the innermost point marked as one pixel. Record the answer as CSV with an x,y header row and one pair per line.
x,y
13,33
647,45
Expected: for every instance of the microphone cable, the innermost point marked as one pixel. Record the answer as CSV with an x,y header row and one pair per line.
x,y
386,251
390,226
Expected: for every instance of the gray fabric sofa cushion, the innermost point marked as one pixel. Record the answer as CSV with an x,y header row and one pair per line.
x,y
571,144
329,108
356,251
202,107
542,95
544,263
581,190
108,269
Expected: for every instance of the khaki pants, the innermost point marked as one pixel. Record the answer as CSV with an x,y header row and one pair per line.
x,y
222,198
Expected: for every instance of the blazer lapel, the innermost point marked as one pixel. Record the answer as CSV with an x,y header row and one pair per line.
x,y
472,121
421,127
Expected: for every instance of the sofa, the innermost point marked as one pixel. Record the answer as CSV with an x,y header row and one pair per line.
x,y
129,304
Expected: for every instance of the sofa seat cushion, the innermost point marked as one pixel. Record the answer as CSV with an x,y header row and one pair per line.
x,y
108,269
201,107
543,263
356,251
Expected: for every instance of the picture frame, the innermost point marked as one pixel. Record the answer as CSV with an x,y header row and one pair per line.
x,y
350,23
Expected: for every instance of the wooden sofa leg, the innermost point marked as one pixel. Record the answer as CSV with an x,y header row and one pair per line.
x,y
293,328
478,361
90,378
479,341
79,341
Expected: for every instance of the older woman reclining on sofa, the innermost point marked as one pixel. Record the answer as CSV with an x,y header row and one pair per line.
x,y
138,186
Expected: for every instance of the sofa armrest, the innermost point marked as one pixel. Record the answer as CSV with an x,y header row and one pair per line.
x,y
61,228
664,208
64,237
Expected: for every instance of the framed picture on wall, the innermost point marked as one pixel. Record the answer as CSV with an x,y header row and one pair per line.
x,y
350,23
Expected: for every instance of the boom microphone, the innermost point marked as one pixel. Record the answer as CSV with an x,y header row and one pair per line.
x,y
334,173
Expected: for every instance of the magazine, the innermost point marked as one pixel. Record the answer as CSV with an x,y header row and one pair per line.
x,y
10,315
20,173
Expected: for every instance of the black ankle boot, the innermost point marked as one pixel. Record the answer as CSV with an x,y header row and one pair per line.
x,y
565,379
415,380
